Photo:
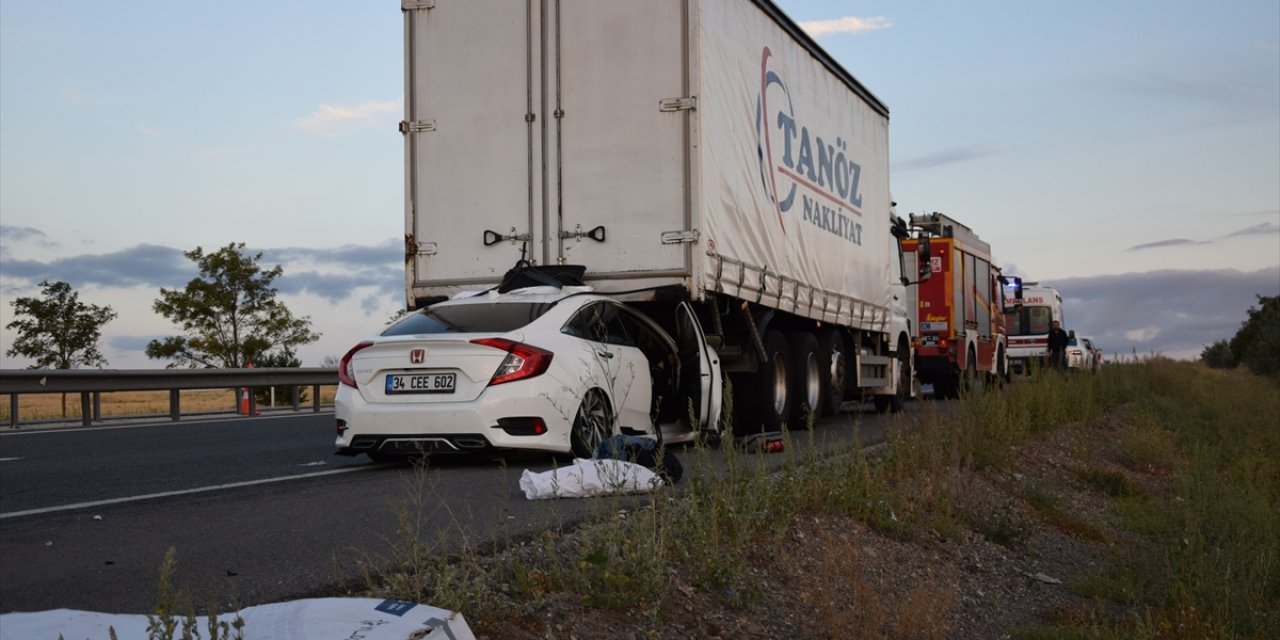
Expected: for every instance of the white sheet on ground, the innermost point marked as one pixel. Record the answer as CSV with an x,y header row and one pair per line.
x,y
586,478
311,619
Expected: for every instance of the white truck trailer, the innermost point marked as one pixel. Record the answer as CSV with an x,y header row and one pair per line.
x,y
705,151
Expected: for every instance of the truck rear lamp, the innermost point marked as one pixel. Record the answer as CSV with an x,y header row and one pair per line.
x,y
522,361
342,426
344,365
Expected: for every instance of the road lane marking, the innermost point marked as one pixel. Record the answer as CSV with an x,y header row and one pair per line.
x,y
9,459
181,492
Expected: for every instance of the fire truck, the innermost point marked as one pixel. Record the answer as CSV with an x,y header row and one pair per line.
x,y
1028,320
960,308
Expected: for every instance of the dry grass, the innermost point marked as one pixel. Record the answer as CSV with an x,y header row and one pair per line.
x,y
49,406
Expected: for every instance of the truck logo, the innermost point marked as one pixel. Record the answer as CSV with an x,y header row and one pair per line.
x,y
830,199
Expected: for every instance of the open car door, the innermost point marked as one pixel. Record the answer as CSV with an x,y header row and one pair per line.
x,y
700,380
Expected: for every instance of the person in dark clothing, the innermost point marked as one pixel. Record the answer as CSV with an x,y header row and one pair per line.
x,y
1058,347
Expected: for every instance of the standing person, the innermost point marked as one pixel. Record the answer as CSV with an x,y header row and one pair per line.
x,y
1057,347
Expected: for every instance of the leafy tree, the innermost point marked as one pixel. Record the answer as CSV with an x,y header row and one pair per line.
x,y
281,393
58,331
230,313
1218,355
1257,343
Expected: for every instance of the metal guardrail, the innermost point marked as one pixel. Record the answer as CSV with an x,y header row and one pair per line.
x,y
90,383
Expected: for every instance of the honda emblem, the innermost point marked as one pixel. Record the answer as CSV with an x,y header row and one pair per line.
x,y
417,356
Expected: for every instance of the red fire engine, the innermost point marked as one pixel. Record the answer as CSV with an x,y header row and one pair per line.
x,y
961,338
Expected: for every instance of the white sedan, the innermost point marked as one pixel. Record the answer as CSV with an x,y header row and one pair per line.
x,y
545,369
1081,354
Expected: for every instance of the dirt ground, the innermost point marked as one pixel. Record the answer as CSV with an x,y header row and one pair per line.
x,y
837,578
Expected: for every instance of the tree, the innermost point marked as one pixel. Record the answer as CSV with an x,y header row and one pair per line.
x,y
230,313
1218,355
282,359
58,331
1257,343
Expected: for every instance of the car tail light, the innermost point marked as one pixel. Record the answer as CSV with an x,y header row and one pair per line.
x,y
344,365
522,361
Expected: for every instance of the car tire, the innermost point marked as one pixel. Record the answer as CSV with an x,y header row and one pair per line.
x,y
592,424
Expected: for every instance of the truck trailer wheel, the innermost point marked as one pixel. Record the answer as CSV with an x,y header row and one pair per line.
x,y
768,398
806,378
833,360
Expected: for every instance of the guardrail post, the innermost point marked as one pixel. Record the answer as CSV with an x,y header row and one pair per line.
x,y
297,396
315,398
86,418
13,410
174,410
97,406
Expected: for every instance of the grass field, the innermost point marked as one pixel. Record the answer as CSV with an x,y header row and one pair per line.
x,y
1163,476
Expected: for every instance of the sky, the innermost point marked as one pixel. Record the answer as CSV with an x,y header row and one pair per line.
x,y
1127,153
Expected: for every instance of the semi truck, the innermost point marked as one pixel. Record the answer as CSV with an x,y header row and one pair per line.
x,y
1032,309
699,152
961,340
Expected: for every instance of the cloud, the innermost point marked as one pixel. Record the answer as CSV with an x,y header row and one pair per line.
x,y
1264,228
1260,229
329,119
330,273
24,235
952,155
1173,312
143,265
850,24
1175,242
148,131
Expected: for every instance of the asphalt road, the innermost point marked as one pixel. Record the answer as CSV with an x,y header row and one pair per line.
x,y
258,510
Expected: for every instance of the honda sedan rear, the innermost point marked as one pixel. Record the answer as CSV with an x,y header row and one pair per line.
x,y
533,369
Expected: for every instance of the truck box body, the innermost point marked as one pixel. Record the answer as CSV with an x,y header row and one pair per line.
x,y
719,148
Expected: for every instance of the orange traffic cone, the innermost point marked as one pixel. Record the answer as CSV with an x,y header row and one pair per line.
x,y
244,397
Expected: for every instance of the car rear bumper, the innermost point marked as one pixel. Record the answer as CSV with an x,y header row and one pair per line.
x,y
462,427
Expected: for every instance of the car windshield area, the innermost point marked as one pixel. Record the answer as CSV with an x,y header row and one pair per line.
x,y
491,317
1029,321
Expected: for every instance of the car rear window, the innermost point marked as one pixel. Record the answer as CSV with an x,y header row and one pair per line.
x,y
495,317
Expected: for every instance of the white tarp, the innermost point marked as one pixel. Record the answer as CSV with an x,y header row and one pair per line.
x,y
311,619
587,478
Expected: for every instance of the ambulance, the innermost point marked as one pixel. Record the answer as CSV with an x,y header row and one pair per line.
x,y
1028,320
961,339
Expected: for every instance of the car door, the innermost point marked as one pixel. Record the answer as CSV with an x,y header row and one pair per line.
x,y
616,364
700,379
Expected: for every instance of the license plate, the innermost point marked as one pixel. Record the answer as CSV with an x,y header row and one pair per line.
x,y
422,383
